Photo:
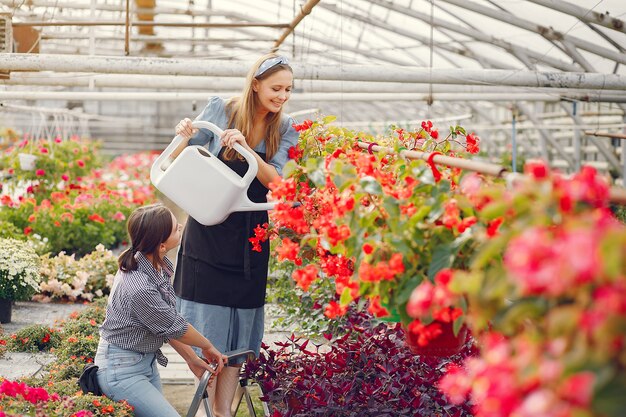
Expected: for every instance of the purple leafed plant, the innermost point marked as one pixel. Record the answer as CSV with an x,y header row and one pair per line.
x,y
366,372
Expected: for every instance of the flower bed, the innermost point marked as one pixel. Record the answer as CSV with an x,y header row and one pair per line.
x,y
56,392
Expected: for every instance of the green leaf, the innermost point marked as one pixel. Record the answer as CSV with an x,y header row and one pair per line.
x,y
329,119
456,326
371,185
609,400
345,298
318,177
290,167
443,256
518,311
493,210
492,249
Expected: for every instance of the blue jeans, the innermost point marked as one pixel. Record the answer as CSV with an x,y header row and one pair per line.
x,y
134,377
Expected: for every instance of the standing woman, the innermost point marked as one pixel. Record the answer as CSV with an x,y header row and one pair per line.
x,y
141,316
220,280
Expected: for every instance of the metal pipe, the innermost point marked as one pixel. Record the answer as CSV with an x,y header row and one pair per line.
x,y
467,164
181,66
235,83
311,97
606,134
616,194
113,8
304,11
587,16
142,38
163,24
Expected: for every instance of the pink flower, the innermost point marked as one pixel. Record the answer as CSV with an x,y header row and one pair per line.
x,y
80,163
43,150
421,300
537,169
578,388
455,384
65,177
40,172
119,216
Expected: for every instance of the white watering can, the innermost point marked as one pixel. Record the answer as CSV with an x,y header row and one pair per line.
x,y
202,185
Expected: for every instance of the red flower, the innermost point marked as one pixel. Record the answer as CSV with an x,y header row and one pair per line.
x,y
295,152
80,163
334,309
28,230
96,218
537,169
304,277
368,249
40,172
376,308
65,177
472,141
288,250
303,126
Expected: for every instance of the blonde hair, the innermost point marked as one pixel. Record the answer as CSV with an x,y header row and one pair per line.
x,y
242,110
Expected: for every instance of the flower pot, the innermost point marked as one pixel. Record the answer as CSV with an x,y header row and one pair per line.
x,y
446,344
6,307
27,161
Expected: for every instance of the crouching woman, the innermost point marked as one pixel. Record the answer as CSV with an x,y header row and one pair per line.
x,y
141,316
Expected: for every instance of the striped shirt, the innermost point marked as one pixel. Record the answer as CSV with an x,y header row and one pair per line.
x,y
141,313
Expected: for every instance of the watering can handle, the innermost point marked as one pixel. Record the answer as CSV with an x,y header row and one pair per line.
x,y
253,166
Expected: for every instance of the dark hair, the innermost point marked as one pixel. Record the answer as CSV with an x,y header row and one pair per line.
x,y
148,227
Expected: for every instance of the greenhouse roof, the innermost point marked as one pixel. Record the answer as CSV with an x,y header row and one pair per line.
x,y
369,62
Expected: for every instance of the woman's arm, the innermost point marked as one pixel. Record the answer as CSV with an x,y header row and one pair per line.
x,y
193,338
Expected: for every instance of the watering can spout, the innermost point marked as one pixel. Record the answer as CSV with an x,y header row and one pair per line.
x,y
250,206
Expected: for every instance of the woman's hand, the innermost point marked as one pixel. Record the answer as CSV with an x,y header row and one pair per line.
x,y
232,136
185,129
198,367
215,358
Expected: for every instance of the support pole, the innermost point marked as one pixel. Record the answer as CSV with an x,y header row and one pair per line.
x,y
514,113
127,31
304,11
577,156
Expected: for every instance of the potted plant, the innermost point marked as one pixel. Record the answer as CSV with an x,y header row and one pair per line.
x,y
547,300
19,274
377,225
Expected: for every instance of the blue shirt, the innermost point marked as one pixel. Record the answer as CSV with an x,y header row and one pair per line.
x,y
215,112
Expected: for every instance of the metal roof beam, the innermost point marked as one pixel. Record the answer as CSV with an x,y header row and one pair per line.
x,y
308,97
423,39
383,73
601,145
479,36
546,32
585,15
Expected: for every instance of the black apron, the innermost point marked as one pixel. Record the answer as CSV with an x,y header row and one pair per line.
x,y
216,264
